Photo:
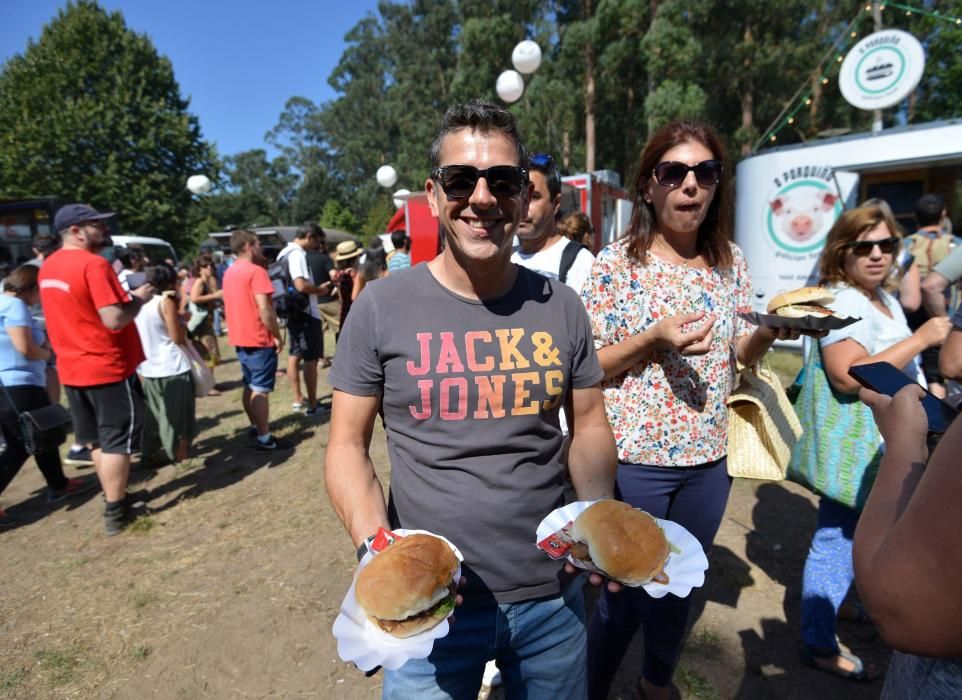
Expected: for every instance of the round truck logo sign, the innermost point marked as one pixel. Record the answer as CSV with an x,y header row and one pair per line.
x,y
881,70
801,210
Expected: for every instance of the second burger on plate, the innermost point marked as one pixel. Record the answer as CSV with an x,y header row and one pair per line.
x,y
625,543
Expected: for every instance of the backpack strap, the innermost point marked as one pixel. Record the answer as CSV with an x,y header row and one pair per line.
x,y
568,256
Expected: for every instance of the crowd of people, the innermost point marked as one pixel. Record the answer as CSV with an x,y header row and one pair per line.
x,y
120,334
512,379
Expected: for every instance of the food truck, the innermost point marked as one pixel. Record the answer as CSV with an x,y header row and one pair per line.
x,y
787,198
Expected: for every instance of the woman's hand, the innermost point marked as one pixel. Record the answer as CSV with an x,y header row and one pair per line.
x,y
671,333
900,419
934,331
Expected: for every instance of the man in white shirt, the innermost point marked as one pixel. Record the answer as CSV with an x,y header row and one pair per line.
x,y
304,327
542,244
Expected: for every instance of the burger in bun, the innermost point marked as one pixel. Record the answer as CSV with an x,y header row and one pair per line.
x,y
624,543
409,587
807,301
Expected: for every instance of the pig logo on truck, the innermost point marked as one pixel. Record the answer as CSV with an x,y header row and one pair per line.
x,y
800,214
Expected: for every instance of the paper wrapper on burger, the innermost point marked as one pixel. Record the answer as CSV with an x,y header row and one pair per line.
x,y
803,309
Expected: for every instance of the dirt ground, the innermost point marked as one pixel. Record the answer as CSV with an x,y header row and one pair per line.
x,y
229,586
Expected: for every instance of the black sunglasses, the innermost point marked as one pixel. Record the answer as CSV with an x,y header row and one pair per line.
x,y
671,173
862,248
459,181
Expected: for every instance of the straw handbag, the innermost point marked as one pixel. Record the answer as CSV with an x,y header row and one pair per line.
x,y
762,426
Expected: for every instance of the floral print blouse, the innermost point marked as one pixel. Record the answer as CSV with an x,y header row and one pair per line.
x,y
669,409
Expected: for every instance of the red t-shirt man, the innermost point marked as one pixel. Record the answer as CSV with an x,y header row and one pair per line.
x,y
73,285
242,281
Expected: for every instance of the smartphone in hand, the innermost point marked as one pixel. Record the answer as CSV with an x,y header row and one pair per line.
x,y
885,378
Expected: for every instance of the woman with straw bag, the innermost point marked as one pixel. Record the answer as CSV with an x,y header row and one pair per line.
x,y
663,303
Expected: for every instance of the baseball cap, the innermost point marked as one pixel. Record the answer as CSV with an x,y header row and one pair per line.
x,y
71,214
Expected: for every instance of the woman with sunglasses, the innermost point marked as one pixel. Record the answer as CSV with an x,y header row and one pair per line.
x,y
860,253
663,303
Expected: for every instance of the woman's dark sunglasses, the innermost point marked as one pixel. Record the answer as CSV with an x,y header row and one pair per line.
x,y
862,248
459,181
671,173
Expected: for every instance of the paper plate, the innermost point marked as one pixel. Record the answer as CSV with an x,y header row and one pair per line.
x,y
806,323
685,570
359,641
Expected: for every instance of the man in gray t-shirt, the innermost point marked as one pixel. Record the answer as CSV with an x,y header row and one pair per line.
x,y
470,358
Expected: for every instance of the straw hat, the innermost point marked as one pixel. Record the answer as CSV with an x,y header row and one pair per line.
x,y
346,250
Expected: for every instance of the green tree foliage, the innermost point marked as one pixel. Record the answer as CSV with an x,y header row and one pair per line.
x,y
336,215
90,112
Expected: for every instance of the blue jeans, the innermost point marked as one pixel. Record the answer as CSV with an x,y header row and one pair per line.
x,y
829,573
258,368
539,646
694,497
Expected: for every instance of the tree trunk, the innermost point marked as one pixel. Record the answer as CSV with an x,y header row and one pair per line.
x,y
589,95
747,98
566,149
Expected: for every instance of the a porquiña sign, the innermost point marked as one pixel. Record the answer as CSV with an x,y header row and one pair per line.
x,y
882,69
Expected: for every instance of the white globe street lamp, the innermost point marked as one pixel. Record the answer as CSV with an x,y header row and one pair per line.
x,y
199,184
526,57
510,86
386,176
399,197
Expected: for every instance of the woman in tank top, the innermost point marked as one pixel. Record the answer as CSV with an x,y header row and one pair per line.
x,y
169,424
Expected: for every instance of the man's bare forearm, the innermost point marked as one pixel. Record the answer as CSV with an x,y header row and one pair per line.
x,y
355,491
593,462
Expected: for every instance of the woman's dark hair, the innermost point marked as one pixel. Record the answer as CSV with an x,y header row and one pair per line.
x,y
203,260
161,277
22,280
846,230
715,233
375,263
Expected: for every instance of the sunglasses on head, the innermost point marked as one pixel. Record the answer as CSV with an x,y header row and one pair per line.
x,y
671,173
459,181
541,161
862,248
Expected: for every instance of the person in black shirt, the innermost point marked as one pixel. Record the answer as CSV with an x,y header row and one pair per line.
x,y
322,267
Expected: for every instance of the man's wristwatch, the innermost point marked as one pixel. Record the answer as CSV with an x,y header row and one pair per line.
x,y
363,547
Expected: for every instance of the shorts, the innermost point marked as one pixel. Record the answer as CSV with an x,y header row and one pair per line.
x,y
307,338
258,366
108,415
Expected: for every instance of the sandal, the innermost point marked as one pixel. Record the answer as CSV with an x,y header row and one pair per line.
x,y
825,662
213,392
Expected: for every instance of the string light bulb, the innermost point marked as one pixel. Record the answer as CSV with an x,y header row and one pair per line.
x,y
808,100
791,120
824,81
772,138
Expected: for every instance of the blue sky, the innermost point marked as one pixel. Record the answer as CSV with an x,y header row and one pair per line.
x,y
237,60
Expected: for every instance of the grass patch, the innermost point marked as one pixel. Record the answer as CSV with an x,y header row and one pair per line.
x,y
706,642
143,524
786,364
694,684
141,599
60,666
11,680
140,652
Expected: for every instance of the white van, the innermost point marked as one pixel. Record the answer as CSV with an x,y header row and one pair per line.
x,y
156,249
